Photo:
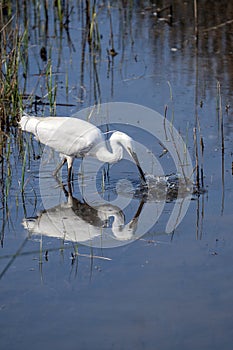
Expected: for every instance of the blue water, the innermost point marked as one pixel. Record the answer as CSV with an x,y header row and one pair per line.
x,y
163,290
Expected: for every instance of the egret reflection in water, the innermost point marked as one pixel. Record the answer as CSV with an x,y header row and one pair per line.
x,y
77,221
104,225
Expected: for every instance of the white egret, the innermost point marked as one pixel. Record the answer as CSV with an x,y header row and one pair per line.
x,y
78,222
76,138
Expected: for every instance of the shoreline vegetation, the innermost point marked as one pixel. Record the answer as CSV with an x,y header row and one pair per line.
x,y
35,36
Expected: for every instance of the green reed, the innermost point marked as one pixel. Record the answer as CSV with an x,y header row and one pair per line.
x,y
8,175
59,11
13,58
92,24
23,170
51,88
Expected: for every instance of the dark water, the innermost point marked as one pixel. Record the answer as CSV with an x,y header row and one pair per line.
x,y
164,290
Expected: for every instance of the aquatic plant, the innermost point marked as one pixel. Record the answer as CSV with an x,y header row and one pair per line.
x,y
10,58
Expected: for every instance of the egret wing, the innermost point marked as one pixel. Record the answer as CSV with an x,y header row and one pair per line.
x,y
70,136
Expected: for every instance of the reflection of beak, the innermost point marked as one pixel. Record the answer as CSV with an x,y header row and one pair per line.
x,y
135,158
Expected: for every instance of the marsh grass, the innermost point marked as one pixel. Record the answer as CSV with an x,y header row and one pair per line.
x,y
15,43
60,11
23,170
92,26
14,66
44,256
51,88
197,161
15,51
222,139
9,91
220,114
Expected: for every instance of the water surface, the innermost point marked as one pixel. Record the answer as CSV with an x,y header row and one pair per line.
x,y
165,290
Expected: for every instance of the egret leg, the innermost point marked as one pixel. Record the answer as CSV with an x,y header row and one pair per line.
x,y
69,161
60,165
69,164
68,192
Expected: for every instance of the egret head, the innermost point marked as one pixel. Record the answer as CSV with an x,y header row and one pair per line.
x,y
128,143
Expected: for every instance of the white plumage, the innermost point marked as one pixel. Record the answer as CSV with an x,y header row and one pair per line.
x,y
78,222
75,138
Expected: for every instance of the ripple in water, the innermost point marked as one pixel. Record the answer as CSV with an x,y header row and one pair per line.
x,y
158,188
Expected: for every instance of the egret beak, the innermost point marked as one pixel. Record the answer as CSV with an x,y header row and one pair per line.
x,y
135,158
